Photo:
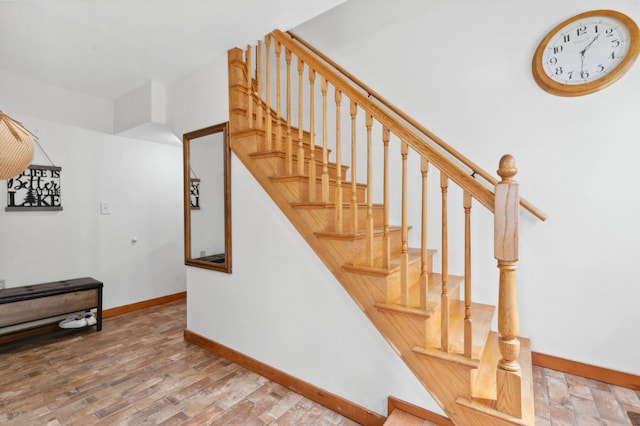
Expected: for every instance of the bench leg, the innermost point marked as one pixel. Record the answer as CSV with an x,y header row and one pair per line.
x,y
99,311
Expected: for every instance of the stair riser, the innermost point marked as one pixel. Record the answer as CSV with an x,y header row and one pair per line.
x,y
275,164
346,192
326,215
394,284
354,251
278,166
263,145
359,247
479,315
297,190
331,168
391,282
306,145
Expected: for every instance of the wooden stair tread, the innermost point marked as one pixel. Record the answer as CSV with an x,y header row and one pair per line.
x,y
357,235
305,178
321,205
402,418
406,310
268,153
448,356
484,382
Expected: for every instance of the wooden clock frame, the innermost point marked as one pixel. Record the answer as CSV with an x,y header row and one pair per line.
x,y
556,88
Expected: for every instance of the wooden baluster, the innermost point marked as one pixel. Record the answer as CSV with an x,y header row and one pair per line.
x,y
468,325
338,196
259,124
369,240
404,257
444,297
250,78
300,156
268,129
386,240
424,255
508,380
289,150
354,196
312,136
325,152
278,144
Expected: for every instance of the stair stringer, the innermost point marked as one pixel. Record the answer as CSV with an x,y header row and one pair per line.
x,y
448,382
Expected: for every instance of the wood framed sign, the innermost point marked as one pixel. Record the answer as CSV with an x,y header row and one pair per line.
x,y
195,193
36,188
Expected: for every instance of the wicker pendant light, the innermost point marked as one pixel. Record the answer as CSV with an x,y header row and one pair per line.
x,y
16,147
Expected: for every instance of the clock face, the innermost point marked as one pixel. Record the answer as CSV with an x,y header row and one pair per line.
x,y
586,50
586,53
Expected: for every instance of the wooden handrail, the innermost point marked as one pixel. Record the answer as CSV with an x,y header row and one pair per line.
x,y
453,152
438,159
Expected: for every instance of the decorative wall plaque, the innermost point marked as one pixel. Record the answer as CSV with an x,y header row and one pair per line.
x,y
195,193
36,188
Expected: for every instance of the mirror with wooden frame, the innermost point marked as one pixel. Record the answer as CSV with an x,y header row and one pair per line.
x,y
207,198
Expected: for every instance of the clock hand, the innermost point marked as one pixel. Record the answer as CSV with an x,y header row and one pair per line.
x,y
589,45
584,51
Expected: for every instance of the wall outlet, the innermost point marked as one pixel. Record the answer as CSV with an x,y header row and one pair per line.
x,y
202,253
3,283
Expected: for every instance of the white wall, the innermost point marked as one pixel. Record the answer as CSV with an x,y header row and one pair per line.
x,y
281,305
142,181
463,69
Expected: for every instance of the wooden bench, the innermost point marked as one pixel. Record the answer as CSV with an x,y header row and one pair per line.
x,y
22,305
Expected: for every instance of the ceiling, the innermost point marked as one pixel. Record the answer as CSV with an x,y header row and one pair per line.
x,y
107,48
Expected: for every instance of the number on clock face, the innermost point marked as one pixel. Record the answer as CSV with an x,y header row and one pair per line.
x,y
586,50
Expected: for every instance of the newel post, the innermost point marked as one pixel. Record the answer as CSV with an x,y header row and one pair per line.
x,y
238,91
508,380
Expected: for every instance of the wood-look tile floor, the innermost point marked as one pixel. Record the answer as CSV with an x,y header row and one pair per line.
x,y
563,399
139,371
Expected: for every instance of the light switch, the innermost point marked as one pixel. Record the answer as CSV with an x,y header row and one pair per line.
x,y
105,207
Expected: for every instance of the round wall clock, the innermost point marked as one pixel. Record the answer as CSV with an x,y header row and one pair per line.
x,y
586,53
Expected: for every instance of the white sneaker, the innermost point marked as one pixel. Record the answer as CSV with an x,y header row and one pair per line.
x,y
91,320
74,321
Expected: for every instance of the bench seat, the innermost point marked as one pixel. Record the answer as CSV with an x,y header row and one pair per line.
x,y
20,305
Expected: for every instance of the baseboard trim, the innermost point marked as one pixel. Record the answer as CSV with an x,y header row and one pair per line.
x,y
331,401
423,413
601,374
112,312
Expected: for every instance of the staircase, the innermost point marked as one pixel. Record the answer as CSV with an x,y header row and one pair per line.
x,y
339,161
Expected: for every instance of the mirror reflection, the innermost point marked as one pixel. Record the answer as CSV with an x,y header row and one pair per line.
x,y
207,213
